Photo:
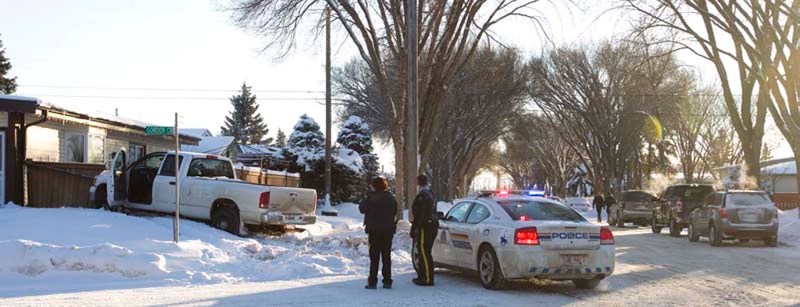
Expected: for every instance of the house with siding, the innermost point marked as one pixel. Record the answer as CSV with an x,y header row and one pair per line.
x,y
35,131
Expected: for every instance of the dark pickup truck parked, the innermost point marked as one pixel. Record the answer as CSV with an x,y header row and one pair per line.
x,y
675,205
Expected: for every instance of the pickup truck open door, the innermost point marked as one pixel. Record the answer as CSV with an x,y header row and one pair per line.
x,y
117,186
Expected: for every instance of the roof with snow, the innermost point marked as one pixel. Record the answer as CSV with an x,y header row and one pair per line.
x,y
198,132
97,116
215,145
785,168
16,103
255,149
780,166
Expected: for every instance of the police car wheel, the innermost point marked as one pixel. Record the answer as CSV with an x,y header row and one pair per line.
x,y
587,284
489,269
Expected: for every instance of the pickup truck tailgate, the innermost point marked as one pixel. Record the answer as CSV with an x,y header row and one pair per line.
x,y
292,200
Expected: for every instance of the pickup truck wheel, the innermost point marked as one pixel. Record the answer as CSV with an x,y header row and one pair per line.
x,y
654,226
227,219
674,228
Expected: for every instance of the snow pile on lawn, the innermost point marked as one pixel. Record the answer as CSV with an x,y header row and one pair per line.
x,y
789,228
42,245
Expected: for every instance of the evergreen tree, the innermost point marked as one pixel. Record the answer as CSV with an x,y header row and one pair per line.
x,y
305,150
244,123
280,139
306,144
7,85
356,135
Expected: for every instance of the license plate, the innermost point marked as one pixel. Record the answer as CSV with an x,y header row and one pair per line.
x,y
572,259
749,218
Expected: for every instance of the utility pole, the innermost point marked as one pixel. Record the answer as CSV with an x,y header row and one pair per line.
x,y
328,116
412,121
176,222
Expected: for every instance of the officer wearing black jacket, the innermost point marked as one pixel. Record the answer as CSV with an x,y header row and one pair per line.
x,y
380,211
424,229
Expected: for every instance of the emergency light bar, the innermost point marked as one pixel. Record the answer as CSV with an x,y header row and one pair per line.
x,y
489,193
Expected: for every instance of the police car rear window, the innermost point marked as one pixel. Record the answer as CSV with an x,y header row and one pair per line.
x,y
539,211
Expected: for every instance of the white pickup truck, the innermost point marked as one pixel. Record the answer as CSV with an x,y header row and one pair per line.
x,y
209,192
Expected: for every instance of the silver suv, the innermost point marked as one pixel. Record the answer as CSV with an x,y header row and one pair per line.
x,y
731,215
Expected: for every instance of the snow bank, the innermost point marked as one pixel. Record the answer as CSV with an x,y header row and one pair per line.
x,y
789,228
73,247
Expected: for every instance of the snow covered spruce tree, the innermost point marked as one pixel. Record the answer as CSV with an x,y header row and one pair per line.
x,y
306,153
356,136
244,123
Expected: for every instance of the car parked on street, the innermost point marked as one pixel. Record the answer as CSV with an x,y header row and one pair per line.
x,y
578,203
675,204
634,206
732,215
209,191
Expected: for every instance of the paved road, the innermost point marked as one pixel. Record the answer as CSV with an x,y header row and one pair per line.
x,y
655,270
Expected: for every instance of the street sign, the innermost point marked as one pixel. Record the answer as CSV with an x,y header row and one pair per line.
x,y
158,130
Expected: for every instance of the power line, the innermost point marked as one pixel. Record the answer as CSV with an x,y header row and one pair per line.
x,y
183,98
164,89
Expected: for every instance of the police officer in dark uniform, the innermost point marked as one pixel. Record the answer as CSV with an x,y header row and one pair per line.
x,y
424,229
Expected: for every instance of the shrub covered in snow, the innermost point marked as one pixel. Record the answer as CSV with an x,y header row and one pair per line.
x,y
356,135
306,152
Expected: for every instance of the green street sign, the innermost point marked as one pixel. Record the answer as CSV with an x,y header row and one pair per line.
x,y
157,130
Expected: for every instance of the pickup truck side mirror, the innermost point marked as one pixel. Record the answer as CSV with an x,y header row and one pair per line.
x,y
440,215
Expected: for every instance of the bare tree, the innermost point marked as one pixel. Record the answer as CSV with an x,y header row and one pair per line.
x,y
449,34
480,101
597,101
736,37
532,144
694,115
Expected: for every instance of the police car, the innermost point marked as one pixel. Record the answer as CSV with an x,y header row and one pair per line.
x,y
514,236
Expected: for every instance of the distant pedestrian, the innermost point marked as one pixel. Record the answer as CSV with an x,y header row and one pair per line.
x,y
610,202
598,206
380,211
424,229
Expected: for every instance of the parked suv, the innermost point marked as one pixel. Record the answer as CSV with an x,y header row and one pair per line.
x,y
634,206
730,215
675,204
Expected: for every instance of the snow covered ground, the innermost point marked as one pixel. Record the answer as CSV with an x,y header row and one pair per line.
x,y
84,257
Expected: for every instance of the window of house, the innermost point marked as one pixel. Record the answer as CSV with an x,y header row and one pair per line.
x,y
136,151
97,148
75,147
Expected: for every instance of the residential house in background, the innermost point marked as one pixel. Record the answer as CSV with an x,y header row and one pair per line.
x,y
57,138
777,175
210,144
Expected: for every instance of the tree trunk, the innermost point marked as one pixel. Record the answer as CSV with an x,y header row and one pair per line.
x,y
399,175
752,160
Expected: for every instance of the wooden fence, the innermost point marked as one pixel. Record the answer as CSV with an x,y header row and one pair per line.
x,y
55,184
786,201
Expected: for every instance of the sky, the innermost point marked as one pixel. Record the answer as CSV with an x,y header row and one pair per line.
x,y
187,56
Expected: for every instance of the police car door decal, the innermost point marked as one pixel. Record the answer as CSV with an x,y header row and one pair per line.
x,y
460,240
